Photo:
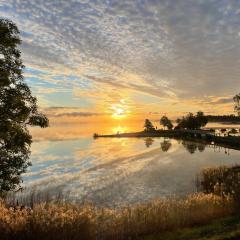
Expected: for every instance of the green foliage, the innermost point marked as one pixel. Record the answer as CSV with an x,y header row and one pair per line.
x,y
226,228
192,121
222,181
18,109
166,122
148,126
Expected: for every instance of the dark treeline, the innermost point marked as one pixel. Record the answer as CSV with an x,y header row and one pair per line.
x,y
190,121
223,118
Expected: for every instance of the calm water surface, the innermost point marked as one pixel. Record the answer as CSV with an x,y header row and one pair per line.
x,y
116,171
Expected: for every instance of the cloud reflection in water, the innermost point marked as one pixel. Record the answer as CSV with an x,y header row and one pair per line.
x,y
117,171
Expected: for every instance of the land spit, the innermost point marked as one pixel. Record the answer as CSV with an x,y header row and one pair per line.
x,y
203,136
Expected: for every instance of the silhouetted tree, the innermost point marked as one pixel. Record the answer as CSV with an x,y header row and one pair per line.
x,y
165,145
192,121
202,119
148,142
224,118
148,126
166,122
190,146
201,147
236,99
18,109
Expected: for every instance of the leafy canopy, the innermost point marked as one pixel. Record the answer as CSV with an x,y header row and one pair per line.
x,y
166,122
192,121
148,126
18,109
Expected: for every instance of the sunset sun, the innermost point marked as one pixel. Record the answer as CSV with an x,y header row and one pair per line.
x,y
119,119
119,113
119,110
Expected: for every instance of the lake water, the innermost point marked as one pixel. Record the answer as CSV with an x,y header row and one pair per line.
x,y
119,170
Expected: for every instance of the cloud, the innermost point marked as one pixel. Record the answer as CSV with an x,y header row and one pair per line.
x,y
224,100
69,112
77,114
169,49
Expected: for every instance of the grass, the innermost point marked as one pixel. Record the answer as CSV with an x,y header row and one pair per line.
x,y
223,229
69,221
194,217
222,181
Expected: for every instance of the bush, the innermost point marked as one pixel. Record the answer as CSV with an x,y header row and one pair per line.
x,y
222,181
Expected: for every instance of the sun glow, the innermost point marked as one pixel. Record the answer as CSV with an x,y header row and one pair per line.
x,y
119,129
119,113
119,110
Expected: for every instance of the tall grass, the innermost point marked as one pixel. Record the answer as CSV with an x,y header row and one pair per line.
x,y
222,181
69,221
35,196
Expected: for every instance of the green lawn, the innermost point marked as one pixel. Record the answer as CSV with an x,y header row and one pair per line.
x,y
225,229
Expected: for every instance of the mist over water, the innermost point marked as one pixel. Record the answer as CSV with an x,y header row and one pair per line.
x,y
115,171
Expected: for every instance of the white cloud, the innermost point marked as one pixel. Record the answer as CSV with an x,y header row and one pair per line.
x,y
183,49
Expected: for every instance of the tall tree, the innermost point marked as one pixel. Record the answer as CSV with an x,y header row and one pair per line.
x,y
148,126
166,122
236,99
18,109
192,121
201,118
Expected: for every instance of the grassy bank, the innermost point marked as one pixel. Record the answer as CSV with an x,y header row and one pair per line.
x,y
194,217
223,229
69,221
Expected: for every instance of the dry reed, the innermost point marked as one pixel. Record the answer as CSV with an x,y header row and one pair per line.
x,y
69,221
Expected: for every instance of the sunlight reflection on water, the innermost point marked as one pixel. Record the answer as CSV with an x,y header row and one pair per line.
x,y
117,171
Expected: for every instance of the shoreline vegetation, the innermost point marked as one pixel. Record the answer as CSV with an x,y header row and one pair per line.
x,y
72,221
189,127
203,136
224,118
215,204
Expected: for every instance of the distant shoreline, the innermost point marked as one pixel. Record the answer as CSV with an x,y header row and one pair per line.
x,y
204,136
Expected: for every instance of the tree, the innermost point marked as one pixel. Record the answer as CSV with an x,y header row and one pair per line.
x,y
201,118
236,99
166,122
170,126
190,146
148,142
18,109
148,126
192,121
165,145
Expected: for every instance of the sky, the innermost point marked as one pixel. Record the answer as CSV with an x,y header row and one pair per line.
x,y
123,58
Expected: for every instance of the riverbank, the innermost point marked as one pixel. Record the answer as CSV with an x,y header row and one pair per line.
x,y
86,222
204,136
192,217
226,228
